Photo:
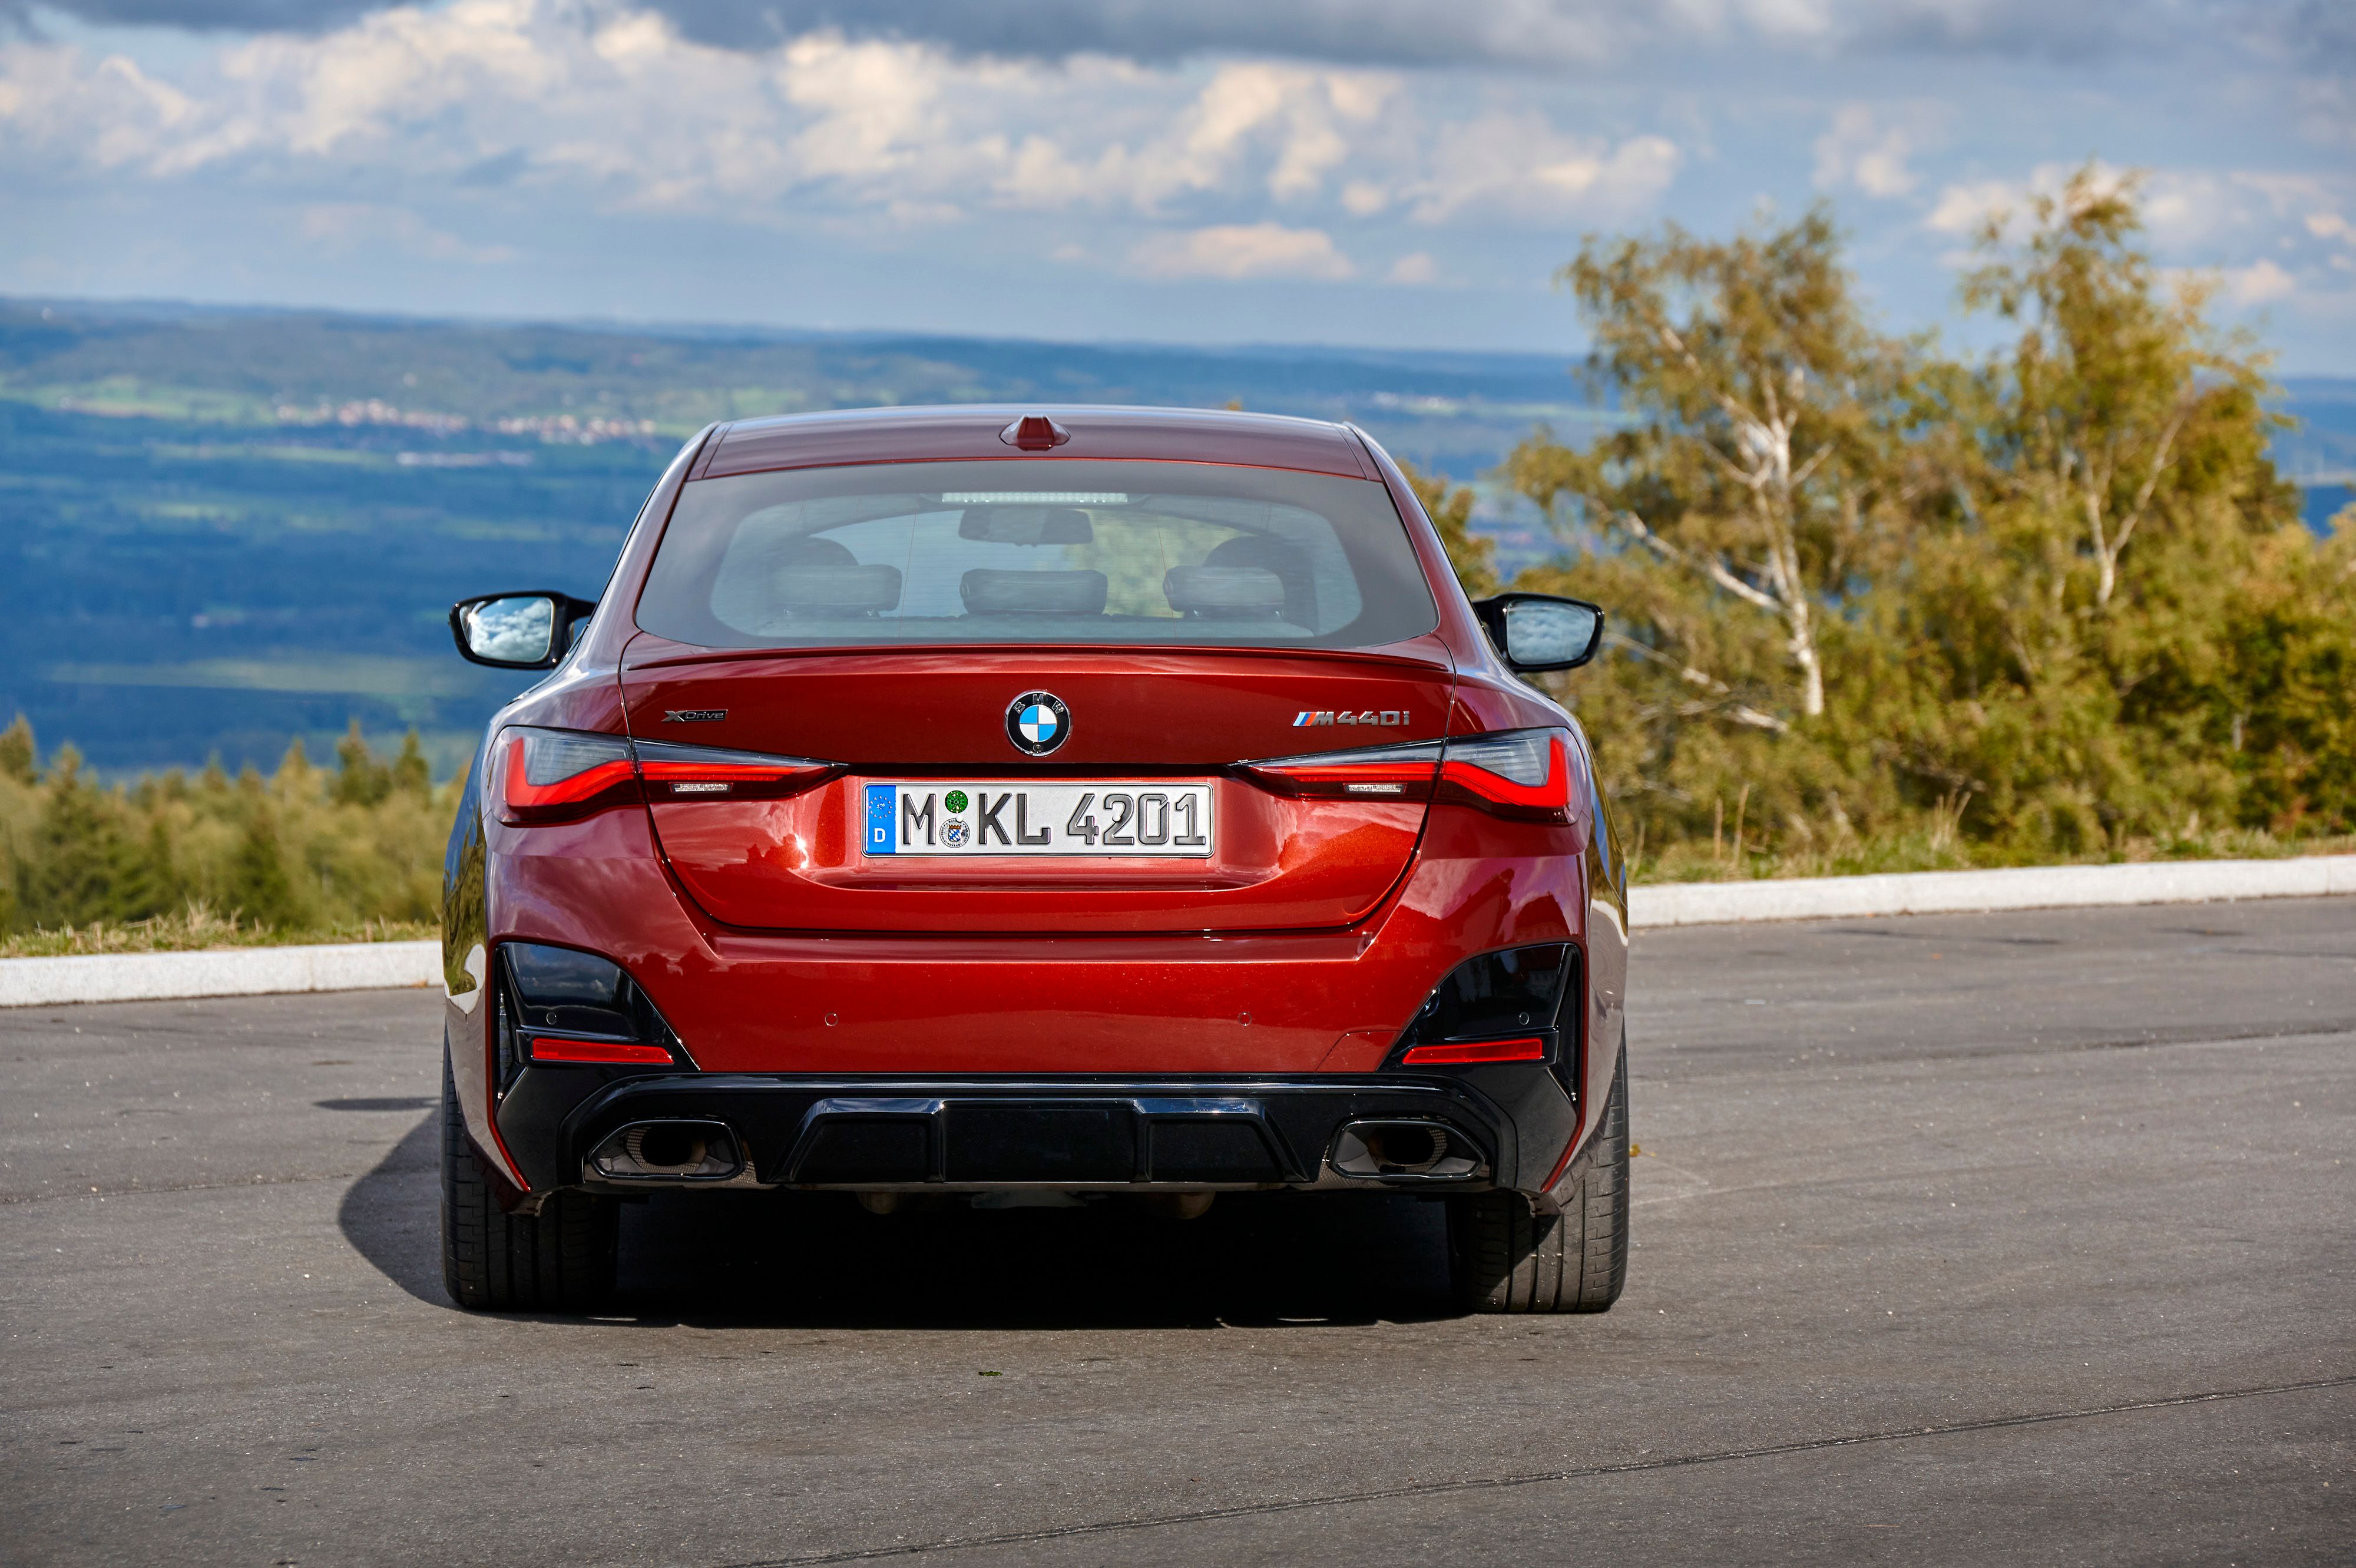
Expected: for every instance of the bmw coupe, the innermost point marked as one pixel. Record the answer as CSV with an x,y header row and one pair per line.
x,y
1117,804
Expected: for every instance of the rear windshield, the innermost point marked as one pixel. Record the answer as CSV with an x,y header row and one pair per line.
x,y
1032,551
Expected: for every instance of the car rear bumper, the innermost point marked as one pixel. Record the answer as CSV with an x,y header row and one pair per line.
x,y
881,1133
1302,1023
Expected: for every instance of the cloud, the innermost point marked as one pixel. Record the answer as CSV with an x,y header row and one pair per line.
x,y
2259,283
1523,35
217,15
2185,210
2315,42
1234,250
1417,267
345,226
1858,149
1516,165
1295,126
1963,208
484,94
2204,226
2076,33
107,115
1160,32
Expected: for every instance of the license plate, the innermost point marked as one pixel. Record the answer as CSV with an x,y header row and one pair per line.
x,y
1074,821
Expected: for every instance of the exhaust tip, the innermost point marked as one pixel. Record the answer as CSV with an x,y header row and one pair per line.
x,y
1425,1151
670,1151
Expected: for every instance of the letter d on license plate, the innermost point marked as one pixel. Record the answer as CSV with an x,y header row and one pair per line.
x,y
1080,821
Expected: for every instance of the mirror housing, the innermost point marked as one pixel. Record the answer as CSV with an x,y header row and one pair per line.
x,y
527,629
1536,632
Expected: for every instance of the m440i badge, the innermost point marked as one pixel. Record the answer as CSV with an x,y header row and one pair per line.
x,y
1383,718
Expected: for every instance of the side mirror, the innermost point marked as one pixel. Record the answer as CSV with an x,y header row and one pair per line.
x,y
1540,631
518,631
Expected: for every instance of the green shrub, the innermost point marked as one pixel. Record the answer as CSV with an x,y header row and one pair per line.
x,y
2052,604
171,861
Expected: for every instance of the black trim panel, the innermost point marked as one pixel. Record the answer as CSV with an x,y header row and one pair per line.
x,y
1058,1132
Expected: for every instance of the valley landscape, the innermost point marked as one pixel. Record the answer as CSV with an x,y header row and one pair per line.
x,y
225,530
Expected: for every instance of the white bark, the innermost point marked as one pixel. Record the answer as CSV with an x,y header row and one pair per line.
x,y
1763,439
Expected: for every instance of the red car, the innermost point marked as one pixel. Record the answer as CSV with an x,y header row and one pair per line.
x,y
1109,803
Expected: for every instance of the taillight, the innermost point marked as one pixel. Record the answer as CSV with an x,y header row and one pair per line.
x,y
562,776
1377,773
705,773
1522,774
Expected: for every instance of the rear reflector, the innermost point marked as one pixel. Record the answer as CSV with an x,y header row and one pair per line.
x,y
606,1052
1458,1053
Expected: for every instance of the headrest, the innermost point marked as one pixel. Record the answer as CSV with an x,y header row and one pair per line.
x,y
811,550
836,590
1227,592
1255,550
988,592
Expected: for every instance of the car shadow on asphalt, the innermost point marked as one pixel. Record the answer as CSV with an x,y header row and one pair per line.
x,y
818,1260
392,1216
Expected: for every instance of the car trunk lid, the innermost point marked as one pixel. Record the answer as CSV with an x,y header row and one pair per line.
x,y
940,718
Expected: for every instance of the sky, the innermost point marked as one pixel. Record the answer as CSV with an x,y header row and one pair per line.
x,y
1395,173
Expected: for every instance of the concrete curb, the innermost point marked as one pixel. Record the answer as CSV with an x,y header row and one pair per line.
x,y
1958,892
367,966
225,972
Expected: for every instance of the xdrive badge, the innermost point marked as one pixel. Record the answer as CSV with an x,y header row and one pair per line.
x,y
693,716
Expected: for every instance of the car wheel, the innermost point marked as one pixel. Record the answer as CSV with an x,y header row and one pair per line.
x,y
1504,1257
560,1259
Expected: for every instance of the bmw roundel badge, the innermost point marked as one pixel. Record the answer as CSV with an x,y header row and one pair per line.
x,y
1037,722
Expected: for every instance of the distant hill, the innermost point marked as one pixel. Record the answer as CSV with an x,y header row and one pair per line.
x,y
224,529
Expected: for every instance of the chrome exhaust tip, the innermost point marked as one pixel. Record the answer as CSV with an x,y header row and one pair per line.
x,y
670,1151
1421,1151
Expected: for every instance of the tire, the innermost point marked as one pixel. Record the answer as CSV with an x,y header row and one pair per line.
x,y
1503,1257
560,1259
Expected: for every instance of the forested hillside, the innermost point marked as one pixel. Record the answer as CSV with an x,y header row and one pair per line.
x,y
219,531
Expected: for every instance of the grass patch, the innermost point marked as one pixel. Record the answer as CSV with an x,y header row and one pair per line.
x,y
1938,848
196,928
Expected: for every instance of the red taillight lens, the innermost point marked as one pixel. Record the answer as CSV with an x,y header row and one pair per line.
x,y
1377,773
704,773
1462,1053
560,776
615,1053
1522,774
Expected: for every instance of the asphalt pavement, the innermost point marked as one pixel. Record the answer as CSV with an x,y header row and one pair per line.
x,y
1962,1238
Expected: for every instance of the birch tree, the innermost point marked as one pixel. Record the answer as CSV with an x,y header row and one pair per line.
x,y
1744,493
2114,379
